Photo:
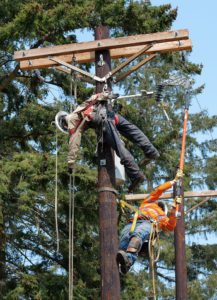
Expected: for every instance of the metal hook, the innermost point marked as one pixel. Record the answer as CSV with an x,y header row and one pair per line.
x,y
101,62
105,87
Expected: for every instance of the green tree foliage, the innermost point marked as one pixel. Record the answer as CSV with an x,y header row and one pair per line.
x,y
30,266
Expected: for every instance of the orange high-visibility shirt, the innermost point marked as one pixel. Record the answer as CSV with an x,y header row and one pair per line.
x,y
154,212
158,192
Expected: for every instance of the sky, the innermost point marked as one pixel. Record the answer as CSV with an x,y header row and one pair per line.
x,y
199,17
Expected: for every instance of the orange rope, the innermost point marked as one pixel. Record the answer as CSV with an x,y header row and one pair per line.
x,y
181,165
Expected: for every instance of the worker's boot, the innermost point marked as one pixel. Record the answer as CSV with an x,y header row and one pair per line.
x,y
126,259
136,182
145,162
123,262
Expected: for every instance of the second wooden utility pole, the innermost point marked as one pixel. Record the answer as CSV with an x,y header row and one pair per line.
x,y
110,283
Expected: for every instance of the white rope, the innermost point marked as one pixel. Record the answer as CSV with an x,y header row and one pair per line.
x,y
56,195
71,231
70,239
72,206
152,258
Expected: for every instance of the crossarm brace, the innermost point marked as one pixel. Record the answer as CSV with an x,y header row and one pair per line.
x,y
80,77
74,68
134,68
129,60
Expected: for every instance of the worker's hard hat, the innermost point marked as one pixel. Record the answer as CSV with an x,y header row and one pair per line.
x,y
60,121
163,206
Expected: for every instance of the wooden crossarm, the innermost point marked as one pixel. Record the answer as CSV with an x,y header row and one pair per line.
x,y
86,57
111,43
170,195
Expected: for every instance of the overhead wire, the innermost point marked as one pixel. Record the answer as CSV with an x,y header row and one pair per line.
x,y
209,130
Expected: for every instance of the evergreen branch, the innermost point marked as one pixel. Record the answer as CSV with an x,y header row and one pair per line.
x,y
42,253
14,73
23,254
35,77
28,135
166,268
166,277
9,78
5,62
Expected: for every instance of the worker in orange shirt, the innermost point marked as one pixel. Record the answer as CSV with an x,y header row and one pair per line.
x,y
131,241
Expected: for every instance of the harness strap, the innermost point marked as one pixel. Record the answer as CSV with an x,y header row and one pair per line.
x,y
132,228
115,120
80,124
107,189
137,213
73,130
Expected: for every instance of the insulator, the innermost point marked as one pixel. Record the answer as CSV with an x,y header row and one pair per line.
x,y
159,91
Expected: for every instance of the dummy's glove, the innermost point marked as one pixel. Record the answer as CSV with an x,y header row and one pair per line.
x,y
70,170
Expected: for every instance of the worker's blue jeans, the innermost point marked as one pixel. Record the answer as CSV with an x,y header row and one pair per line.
x,y
142,231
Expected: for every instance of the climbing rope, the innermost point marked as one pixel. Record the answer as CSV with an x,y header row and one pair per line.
x,y
56,194
153,241
71,231
72,200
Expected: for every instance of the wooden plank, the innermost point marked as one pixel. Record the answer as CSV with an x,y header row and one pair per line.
x,y
111,43
115,54
170,195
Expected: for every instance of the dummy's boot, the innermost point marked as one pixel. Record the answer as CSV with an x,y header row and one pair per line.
x,y
135,182
123,262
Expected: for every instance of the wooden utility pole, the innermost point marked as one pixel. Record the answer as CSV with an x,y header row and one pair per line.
x,y
110,283
180,258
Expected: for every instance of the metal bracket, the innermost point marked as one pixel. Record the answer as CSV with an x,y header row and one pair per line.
x,y
101,61
85,73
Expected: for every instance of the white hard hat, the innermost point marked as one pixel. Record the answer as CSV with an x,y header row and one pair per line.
x,y
60,121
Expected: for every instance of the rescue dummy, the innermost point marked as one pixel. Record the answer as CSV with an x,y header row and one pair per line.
x,y
94,113
131,242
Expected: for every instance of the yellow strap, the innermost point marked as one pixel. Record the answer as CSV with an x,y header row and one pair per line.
x,y
134,222
137,212
124,203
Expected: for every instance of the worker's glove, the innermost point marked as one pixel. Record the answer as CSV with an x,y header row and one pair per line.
x,y
174,205
179,175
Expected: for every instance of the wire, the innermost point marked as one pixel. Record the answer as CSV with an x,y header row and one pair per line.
x,y
209,130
